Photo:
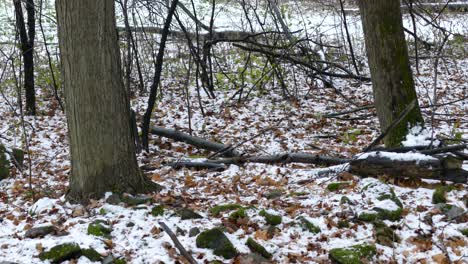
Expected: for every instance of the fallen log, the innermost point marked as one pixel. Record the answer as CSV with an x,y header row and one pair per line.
x,y
284,158
197,165
195,141
446,168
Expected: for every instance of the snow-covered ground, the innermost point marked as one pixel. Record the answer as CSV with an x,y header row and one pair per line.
x,y
267,124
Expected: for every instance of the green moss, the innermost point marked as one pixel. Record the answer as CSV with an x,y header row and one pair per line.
x,y
61,253
352,255
439,194
390,196
215,239
298,193
346,200
343,224
240,213
307,225
215,211
384,214
257,248
335,186
186,213
4,164
120,261
97,229
157,210
464,231
271,218
91,254
384,235
368,217
274,194
18,155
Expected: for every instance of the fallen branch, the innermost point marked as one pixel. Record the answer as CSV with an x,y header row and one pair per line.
x,y
177,243
192,140
197,165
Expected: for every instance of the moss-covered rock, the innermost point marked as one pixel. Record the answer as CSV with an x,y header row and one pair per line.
x,y
135,200
439,195
61,253
384,235
257,248
392,215
352,255
343,224
274,194
390,196
387,205
346,200
96,228
18,156
4,164
91,254
157,210
368,216
307,225
271,218
186,213
464,231
335,186
215,239
239,214
215,211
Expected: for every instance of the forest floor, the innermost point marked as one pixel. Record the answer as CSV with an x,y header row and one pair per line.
x,y
267,124
313,217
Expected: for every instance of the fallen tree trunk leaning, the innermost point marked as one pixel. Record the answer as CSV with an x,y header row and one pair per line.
x,y
192,140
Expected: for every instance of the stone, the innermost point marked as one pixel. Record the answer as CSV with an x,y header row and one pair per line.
x,y
4,164
215,211
353,254
186,213
215,239
91,254
194,231
60,253
307,225
135,200
257,248
271,218
40,231
384,235
96,228
452,212
274,194
113,199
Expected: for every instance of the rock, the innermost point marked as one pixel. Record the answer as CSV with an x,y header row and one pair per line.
x,y
387,206
96,228
180,231
40,231
18,156
352,255
113,199
110,259
215,239
130,224
215,211
346,200
252,258
4,164
439,195
91,254
452,212
384,235
157,210
135,200
274,194
257,248
464,231
61,253
194,231
186,213
239,214
307,225
335,186
271,218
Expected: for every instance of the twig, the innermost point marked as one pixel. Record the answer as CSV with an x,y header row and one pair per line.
x,y
177,243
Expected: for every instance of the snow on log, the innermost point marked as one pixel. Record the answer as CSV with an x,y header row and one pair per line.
x,y
195,141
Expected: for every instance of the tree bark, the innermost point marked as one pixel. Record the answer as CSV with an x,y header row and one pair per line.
x,y
97,108
27,48
392,80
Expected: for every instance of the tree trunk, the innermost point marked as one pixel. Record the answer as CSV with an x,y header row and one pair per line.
x,y
27,49
392,79
97,108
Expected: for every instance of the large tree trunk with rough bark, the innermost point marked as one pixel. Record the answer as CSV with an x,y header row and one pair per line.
x,y
27,48
97,108
392,79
